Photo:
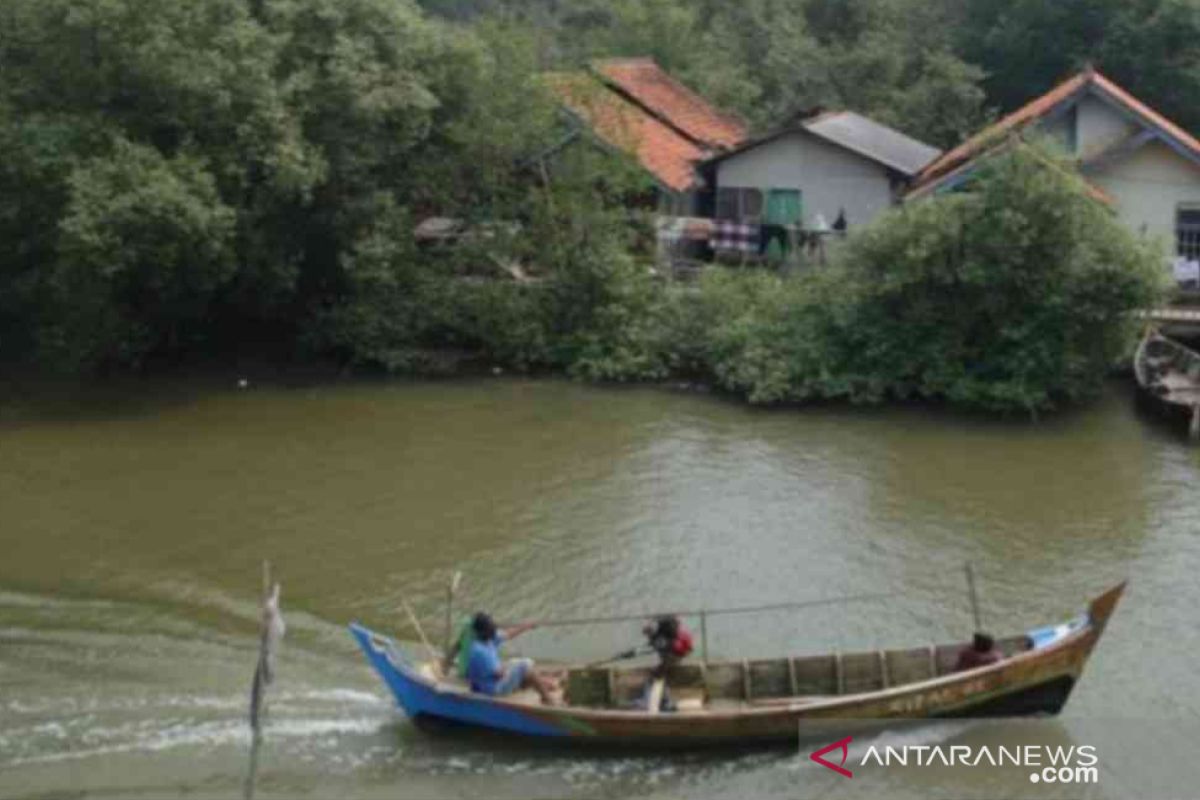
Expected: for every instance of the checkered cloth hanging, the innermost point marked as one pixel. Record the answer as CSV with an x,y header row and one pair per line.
x,y
739,237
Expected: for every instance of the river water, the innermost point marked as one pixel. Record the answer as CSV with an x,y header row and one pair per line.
x,y
134,521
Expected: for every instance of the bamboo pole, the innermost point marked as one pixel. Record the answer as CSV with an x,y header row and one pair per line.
x,y
451,590
416,623
973,596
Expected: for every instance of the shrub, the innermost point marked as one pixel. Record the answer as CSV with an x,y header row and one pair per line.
x,y
1015,295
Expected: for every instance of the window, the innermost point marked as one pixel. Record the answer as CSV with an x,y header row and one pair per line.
x,y
739,204
1187,232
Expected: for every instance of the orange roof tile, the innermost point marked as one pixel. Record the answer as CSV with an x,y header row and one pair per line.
x,y
1040,107
664,152
1017,119
1092,190
650,86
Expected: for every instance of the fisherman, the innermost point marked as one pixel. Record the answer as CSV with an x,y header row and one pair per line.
x,y
487,674
670,640
981,653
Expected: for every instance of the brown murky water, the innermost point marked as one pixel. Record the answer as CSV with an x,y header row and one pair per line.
x,y
133,526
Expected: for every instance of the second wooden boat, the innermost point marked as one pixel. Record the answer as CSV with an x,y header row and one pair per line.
x,y
1168,379
738,702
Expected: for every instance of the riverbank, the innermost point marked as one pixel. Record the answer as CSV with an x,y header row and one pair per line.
x,y
932,301
29,396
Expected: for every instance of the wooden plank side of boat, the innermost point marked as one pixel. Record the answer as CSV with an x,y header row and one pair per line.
x,y
1168,379
1037,677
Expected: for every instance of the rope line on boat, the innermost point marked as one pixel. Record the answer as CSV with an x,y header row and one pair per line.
x,y
710,612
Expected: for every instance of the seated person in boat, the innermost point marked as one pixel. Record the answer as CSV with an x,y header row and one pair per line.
x,y
981,653
488,674
460,650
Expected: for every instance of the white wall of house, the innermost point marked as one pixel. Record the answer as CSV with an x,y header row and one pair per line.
x,y
829,178
1149,185
1098,126
1088,127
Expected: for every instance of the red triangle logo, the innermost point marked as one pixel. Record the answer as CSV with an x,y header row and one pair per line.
x,y
844,746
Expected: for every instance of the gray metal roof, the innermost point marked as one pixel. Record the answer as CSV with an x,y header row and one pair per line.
x,y
875,141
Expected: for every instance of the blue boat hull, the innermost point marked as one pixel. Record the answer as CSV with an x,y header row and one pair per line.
x,y
419,699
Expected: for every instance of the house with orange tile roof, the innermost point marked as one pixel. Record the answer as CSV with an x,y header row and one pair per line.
x,y
635,107
1132,158
822,167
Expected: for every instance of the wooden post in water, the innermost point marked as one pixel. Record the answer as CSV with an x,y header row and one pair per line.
x,y
704,637
973,596
271,630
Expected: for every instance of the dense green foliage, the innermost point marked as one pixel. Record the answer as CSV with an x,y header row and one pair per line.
x,y
1015,295
772,59
933,68
217,172
1152,47
230,175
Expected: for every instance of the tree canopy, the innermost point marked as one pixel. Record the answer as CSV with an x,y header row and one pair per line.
x,y
933,68
212,175
218,169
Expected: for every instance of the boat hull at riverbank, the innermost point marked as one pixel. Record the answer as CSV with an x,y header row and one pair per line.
x,y
742,703
1168,380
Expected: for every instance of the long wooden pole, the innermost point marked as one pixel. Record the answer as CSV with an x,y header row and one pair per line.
x,y
271,628
416,623
451,590
262,675
973,596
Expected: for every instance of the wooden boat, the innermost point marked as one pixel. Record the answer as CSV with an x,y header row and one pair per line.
x,y
763,700
1168,378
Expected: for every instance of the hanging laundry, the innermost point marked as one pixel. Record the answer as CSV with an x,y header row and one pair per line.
x,y
698,229
737,237
1186,270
